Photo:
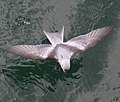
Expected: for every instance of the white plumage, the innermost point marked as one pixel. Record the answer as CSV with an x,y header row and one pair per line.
x,y
62,51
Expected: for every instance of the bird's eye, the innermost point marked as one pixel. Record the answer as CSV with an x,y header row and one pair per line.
x,y
61,56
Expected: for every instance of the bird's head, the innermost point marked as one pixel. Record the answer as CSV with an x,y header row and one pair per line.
x,y
65,64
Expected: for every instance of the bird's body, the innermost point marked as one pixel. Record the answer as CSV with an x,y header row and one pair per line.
x,y
62,51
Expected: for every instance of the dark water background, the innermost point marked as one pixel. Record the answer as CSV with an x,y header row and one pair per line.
x,y
94,75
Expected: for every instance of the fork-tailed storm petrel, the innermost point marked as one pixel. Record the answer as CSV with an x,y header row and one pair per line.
x,y
62,51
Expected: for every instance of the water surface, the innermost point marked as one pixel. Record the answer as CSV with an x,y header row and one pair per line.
x,y
94,75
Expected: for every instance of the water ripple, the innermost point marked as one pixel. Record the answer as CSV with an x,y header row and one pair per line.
x,y
92,73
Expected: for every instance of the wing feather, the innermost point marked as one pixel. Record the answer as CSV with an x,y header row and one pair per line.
x,y
41,52
83,42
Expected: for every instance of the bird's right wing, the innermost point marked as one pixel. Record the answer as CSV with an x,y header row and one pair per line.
x,y
84,42
31,51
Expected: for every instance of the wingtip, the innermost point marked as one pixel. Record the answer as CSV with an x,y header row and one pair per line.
x,y
111,27
108,28
8,48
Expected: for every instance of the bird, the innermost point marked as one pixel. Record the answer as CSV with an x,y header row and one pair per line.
x,y
58,49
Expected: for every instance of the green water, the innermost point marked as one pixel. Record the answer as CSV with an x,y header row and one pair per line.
x,y
94,75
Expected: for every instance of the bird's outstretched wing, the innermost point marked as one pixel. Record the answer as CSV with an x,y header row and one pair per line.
x,y
41,52
55,38
83,42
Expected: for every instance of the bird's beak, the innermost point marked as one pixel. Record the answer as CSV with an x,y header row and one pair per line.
x,y
63,70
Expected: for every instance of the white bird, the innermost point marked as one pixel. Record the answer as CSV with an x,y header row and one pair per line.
x,y
62,51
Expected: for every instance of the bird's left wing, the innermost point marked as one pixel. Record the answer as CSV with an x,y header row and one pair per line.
x,y
31,51
83,42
